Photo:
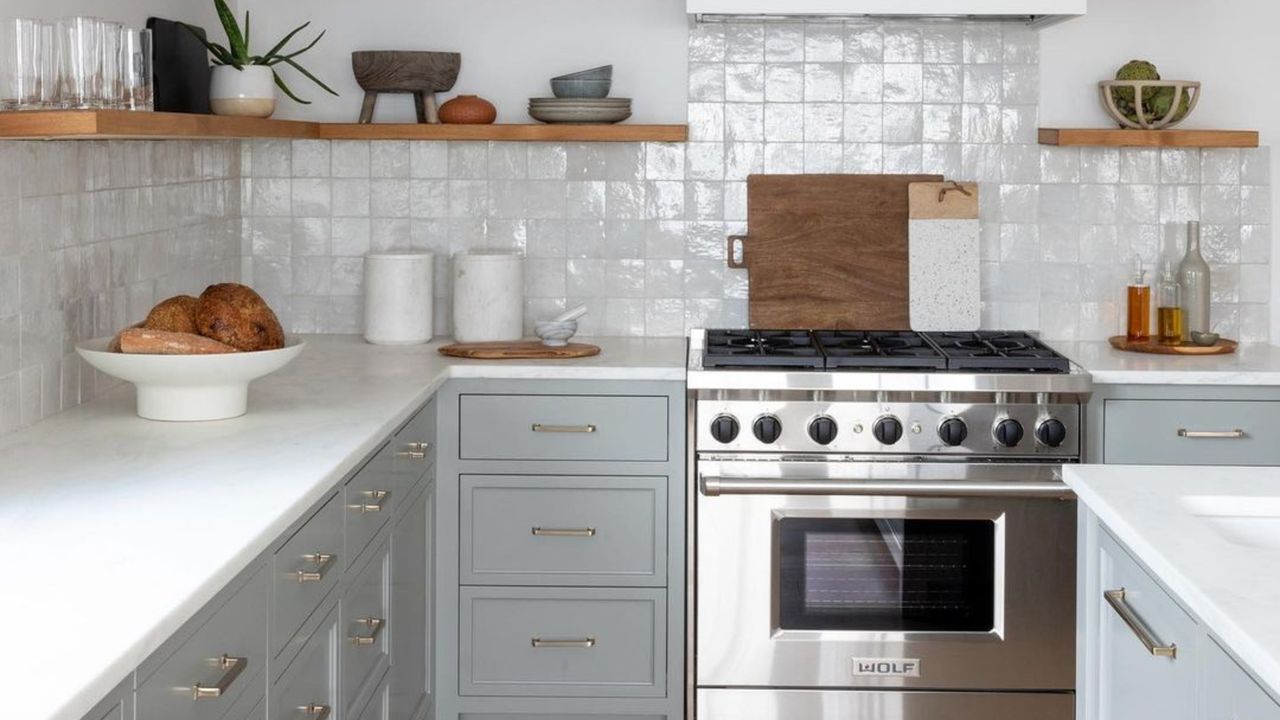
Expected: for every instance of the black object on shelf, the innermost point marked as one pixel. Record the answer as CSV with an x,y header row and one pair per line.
x,y
182,68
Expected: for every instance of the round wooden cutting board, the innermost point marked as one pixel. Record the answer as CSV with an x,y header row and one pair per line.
x,y
529,350
1153,347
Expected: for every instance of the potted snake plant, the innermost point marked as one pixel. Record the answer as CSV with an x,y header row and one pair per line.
x,y
244,84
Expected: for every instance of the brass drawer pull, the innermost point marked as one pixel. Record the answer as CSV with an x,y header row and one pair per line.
x,y
322,561
317,711
1236,434
1115,598
538,642
377,496
231,669
539,427
415,451
564,532
375,626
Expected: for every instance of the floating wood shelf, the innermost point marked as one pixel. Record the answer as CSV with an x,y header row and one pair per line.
x,y
1116,137
117,124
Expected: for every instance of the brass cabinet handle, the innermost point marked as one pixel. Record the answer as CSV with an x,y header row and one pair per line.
x,y
231,669
315,710
538,642
539,427
1236,434
564,532
1115,598
375,626
322,561
415,451
378,497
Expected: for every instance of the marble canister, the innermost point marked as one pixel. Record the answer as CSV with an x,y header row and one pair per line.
x,y
398,298
488,297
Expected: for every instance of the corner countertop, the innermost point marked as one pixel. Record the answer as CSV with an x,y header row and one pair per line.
x,y
101,521
1221,581
1251,364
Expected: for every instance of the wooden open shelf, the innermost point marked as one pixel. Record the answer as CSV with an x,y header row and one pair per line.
x,y
1116,137
118,124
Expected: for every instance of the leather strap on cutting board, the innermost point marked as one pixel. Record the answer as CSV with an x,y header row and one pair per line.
x,y
827,251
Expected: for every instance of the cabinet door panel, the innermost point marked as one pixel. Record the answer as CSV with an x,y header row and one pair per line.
x,y
411,591
1226,690
367,625
1133,682
308,685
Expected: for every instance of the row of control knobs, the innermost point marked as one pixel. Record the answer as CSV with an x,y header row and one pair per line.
x,y
888,430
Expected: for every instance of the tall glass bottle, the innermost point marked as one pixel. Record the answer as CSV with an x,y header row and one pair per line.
x,y
1139,327
1193,277
1169,317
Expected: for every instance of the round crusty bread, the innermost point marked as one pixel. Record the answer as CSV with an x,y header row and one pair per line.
x,y
236,315
177,314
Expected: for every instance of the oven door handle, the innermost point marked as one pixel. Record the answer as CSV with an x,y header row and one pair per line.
x,y
714,486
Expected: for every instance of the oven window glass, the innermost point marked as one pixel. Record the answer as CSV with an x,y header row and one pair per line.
x,y
886,575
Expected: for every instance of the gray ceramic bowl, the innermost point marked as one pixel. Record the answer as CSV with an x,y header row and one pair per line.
x,y
555,334
580,88
604,72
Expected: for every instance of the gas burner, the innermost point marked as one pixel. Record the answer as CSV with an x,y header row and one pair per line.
x,y
878,350
998,351
756,348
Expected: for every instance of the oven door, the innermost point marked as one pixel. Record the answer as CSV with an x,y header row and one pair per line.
x,y
943,576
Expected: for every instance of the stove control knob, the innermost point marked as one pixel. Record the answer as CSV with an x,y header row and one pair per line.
x,y
822,430
724,429
888,430
953,431
1051,433
1008,432
767,429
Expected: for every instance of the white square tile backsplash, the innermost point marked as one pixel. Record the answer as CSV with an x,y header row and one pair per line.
x,y
93,233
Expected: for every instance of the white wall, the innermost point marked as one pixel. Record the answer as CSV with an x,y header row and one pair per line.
x,y
132,12
510,48
1229,45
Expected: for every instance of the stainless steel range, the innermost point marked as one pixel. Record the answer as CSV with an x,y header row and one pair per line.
x,y
881,530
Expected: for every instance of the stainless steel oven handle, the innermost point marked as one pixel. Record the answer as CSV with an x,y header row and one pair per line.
x,y
714,486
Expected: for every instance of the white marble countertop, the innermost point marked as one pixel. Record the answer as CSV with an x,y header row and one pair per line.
x,y
1251,364
1230,584
115,529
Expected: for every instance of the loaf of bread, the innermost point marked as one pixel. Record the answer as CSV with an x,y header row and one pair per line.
x,y
237,316
177,314
142,341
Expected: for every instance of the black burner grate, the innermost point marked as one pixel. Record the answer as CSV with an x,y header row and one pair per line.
x,y
878,350
761,348
998,351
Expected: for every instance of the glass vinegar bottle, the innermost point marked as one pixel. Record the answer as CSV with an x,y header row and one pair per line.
x,y
1139,328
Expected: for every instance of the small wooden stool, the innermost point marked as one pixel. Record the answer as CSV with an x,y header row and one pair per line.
x,y
421,73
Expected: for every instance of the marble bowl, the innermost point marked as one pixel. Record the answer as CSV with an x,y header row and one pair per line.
x,y
189,388
555,334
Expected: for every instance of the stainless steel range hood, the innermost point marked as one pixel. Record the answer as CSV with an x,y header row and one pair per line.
x,y
1036,12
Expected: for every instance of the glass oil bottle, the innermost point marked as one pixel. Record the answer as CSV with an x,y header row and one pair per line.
x,y
1139,329
1169,313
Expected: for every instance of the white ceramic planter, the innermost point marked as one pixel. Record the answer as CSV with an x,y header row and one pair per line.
x,y
247,92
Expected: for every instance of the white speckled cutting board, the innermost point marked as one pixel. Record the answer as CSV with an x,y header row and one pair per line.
x,y
945,290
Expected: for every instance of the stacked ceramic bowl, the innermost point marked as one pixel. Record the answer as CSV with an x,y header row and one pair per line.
x,y
581,97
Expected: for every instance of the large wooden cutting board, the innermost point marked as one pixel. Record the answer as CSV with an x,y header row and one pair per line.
x,y
827,251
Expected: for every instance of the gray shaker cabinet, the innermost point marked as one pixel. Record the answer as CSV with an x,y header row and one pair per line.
x,y
412,642
560,555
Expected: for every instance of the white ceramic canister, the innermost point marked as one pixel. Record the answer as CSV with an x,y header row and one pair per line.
x,y
488,297
398,298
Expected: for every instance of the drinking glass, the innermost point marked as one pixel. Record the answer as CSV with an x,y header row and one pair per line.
x,y
136,70
18,84
47,71
109,65
80,62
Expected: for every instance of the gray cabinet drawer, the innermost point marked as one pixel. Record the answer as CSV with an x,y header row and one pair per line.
x,y
566,642
371,497
415,447
366,625
307,568
378,707
1190,432
1134,683
558,530
563,427
307,686
235,632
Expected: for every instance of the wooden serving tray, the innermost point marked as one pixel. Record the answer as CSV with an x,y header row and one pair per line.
x,y
1222,347
528,350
